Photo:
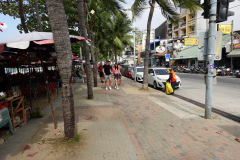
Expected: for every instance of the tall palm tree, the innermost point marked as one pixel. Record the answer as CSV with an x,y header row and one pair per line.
x,y
22,16
120,29
59,27
100,6
83,30
168,8
38,16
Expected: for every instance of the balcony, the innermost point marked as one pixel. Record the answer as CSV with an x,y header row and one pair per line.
x,y
175,28
175,36
183,25
183,35
191,21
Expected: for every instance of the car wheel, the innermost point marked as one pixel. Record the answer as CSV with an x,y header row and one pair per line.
x,y
154,85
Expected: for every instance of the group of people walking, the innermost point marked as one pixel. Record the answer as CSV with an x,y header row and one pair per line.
x,y
106,72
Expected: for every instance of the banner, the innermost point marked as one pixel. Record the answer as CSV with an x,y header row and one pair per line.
x,y
190,41
224,28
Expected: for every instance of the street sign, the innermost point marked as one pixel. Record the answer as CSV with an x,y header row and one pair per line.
x,y
202,46
225,28
167,57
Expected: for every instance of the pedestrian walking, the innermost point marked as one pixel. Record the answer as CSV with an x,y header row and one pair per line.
x,y
77,69
120,78
107,72
117,74
100,70
172,79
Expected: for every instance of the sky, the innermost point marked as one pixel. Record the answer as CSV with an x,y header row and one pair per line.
x,y
140,23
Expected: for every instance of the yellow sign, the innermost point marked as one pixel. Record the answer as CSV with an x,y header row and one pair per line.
x,y
225,28
190,41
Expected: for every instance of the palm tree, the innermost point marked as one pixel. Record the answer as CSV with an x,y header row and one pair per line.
x,y
22,17
100,6
59,27
38,16
120,29
83,30
168,8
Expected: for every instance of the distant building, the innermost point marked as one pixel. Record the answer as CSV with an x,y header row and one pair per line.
x,y
161,31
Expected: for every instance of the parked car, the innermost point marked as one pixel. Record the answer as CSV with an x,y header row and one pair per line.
x,y
128,72
139,74
124,66
157,77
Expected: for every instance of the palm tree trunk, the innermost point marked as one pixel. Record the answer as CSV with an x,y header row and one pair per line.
x,y
38,16
21,13
82,26
147,52
112,55
59,27
90,33
95,70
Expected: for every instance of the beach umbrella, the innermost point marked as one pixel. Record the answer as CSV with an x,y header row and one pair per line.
x,y
32,36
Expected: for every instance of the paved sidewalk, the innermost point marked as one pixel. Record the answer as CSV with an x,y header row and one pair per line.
x,y
131,124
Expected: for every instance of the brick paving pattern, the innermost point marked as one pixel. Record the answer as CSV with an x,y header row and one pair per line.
x,y
131,126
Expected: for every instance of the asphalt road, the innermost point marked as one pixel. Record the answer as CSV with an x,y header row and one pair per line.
x,y
226,93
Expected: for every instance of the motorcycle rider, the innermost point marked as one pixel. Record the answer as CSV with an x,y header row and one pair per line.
x,y
172,78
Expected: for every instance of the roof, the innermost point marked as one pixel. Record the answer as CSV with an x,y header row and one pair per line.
x,y
234,53
187,53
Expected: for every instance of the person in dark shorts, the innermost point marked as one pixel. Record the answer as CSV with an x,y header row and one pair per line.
x,y
100,70
107,72
117,74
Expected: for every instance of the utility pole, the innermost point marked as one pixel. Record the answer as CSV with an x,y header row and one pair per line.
x,y
210,58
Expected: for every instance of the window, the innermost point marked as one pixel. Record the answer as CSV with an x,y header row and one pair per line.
x,y
161,72
140,69
193,29
150,71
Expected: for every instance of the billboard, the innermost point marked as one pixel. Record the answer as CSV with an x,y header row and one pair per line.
x,y
224,28
190,41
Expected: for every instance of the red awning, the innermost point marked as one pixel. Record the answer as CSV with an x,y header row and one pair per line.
x,y
48,41
51,41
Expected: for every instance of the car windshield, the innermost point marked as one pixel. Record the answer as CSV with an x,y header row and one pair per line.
x,y
140,69
130,68
161,72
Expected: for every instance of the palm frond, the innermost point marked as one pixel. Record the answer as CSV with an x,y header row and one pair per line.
x,y
137,7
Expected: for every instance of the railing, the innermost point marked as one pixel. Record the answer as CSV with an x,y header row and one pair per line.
x,y
192,20
183,24
183,35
